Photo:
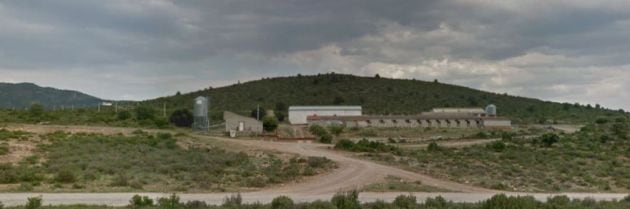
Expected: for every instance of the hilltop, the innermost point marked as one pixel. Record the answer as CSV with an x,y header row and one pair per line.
x,y
377,95
21,95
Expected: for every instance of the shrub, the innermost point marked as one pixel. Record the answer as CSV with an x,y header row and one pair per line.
x,y
405,202
282,202
347,200
33,203
138,201
317,130
433,147
497,146
326,139
234,201
336,129
144,113
549,139
270,123
182,118
321,205
123,115
65,176
171,202
160,123
36,111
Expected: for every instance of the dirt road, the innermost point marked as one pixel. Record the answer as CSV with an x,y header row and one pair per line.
x,y
351,174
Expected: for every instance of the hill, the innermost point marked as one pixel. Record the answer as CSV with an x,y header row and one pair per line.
x,y
23,95
377,96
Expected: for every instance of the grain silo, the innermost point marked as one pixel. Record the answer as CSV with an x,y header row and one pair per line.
x,y
200,113
491,110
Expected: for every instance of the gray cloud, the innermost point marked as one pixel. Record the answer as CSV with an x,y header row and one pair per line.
x,y
559,50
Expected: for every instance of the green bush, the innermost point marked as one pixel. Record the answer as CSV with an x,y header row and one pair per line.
x,y
170,202
65,176
405,202
365,145
33,203
270,123
549,139
497,146
432,147
123,115
282,202
138,201
335,129
182,118
347,200
144,113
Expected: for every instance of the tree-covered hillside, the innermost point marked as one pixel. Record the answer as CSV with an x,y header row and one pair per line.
x,y
23,95
377,96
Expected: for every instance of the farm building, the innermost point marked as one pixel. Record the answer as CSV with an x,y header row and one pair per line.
x,y
241,125
299,114
451,118
459,110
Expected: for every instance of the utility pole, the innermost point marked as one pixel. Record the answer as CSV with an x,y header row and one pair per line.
x,y
99,107
257,112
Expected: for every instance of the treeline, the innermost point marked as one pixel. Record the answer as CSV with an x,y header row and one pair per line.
x,y
350,200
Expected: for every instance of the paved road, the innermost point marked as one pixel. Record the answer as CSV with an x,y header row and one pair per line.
x,y
121,199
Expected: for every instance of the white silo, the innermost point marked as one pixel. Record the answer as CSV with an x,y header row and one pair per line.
x,y
200,113
491,110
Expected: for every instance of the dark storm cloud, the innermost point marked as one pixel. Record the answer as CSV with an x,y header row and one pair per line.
x,y
552,49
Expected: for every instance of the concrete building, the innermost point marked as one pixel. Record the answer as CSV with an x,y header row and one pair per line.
x,y
241,125
299,114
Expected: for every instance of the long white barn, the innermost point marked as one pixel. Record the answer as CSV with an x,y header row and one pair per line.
x,y
299,114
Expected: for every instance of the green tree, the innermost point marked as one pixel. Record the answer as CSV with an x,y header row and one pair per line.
x,y
182,118
282,202
270,123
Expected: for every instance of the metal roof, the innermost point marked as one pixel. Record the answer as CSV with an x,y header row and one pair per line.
x,y
325,108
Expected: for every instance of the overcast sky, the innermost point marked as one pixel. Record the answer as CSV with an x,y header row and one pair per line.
x,y
559,50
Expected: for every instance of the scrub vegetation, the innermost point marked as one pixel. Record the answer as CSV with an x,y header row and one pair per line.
x,y
596,158
147,162
350,200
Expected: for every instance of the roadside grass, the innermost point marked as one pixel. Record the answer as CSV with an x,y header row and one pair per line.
x,y
350,200
147,162
597,158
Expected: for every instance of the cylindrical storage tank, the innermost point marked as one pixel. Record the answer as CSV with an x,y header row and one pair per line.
x,y
201,107
491,110
200,114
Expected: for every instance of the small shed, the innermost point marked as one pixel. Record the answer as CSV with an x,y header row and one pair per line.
x,y
241,125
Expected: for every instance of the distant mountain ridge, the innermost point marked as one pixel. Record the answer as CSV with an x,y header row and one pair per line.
x,y
21,95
